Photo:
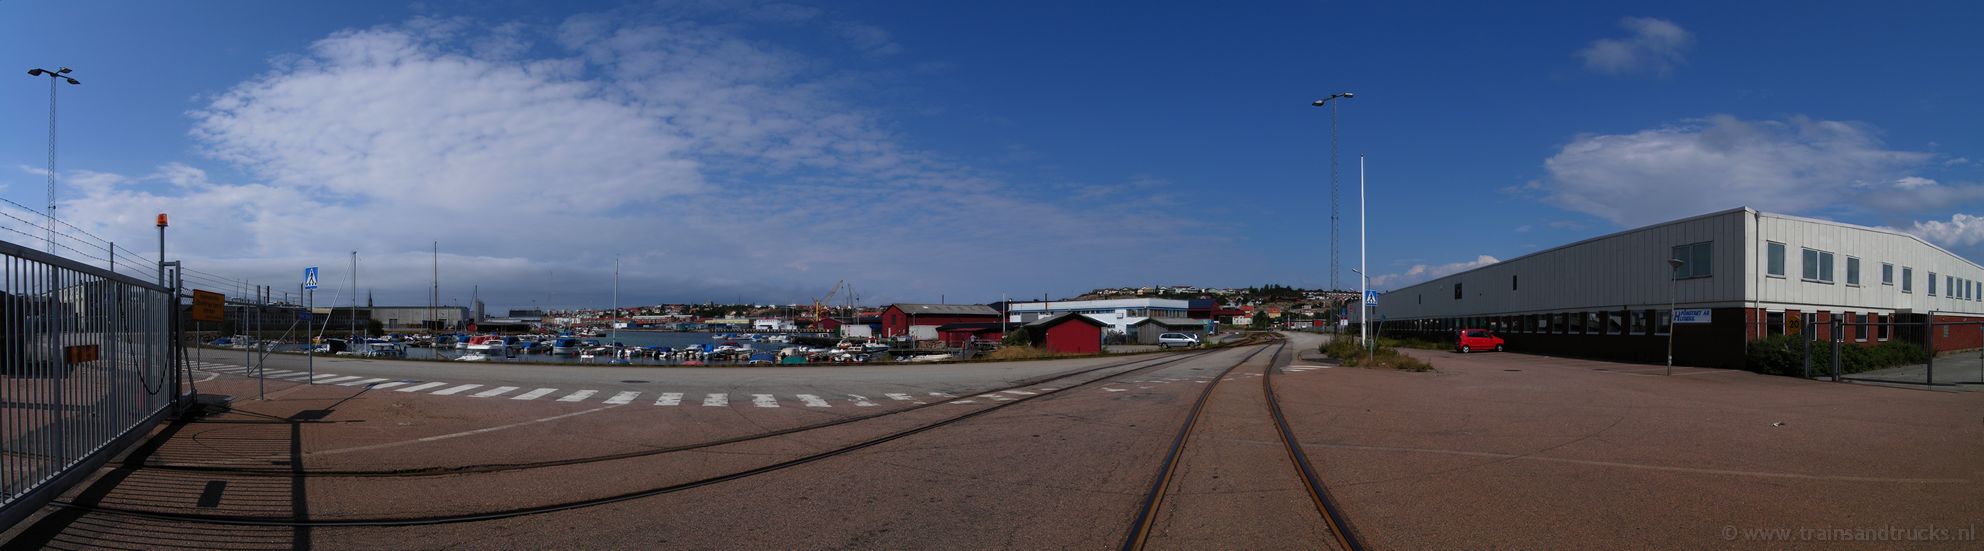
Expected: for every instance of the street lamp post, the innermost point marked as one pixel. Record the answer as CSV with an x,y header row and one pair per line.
x,y
54,77
1334,201
1673,290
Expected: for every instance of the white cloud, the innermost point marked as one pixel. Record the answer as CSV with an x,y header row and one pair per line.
x,y
1655,46
1720,162
1962,230
717,166
1421,272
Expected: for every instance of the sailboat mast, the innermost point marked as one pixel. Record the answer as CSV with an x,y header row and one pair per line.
x,y
614,328
354,299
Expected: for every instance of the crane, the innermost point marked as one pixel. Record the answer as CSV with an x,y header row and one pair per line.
x,y
826,300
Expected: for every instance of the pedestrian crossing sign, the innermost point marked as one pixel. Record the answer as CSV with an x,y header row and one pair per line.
x,y
310,277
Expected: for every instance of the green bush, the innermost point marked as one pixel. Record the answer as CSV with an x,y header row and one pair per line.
x,y
1784,355
1348,353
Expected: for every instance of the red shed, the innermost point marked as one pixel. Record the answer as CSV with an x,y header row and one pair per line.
x,y
921,320
961,334
1068,333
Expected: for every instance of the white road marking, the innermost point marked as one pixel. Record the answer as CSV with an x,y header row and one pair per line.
x,y
494,392
861,401
716,400
210,376
1021,392
420,387
669,399
624,397
341,379
897,396
535,394
228,369
277,372
965,402
764,401
451,391
383,386
324,376
995,397
943,395
578,395
814,401
1048,389
364,382
1115,389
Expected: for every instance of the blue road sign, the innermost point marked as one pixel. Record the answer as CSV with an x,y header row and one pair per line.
x,y
310,277
1370,298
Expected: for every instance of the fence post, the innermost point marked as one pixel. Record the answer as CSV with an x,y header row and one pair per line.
x,y
1838,332
1929,337
1808,334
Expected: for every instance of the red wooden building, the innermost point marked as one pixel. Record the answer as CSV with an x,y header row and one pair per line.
x,y
963,334
1067,333
922,320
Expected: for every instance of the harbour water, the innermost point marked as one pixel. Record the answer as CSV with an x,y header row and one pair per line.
x,y
632,339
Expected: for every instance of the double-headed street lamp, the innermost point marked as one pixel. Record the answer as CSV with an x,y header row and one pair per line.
x,y
1335,192
54,77
1673,288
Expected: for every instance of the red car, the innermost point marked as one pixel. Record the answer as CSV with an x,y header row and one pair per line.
x,y
1477,339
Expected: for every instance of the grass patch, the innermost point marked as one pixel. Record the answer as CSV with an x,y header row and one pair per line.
x,y
1009,353
1348,353
1409,342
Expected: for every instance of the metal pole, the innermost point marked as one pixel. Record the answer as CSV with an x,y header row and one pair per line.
x,y
309,343
1333,199
1807,334
1929,369
1673,288
1363,279
1838,330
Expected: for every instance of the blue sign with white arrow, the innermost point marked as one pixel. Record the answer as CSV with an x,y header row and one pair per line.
x,y
310,277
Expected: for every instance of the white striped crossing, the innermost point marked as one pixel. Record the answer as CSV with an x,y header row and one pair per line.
x,y
860,401
669,399
812,401
717,399
535,394
364,382
579,395
900,397
340,379
420,387
455,390
623,398
494,392
383,386
764,400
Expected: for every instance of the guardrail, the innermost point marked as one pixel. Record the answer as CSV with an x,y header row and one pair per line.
x,y
86,367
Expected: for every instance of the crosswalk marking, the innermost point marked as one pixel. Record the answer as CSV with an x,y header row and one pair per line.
x,y
535,394
420,387
943,395
276,372
995,397
764,401
363,382
716,400
320,378
965,402
494,392
897,396
578,395
624,397
1021,392
814,401
340,379
226,369
669,399
861,401
383,386
455,390
1048,389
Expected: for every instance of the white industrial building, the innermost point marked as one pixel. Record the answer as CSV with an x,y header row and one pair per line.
x,y
1758,273
1119,314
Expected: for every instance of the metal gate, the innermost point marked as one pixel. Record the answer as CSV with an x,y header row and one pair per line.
x,y
1950,351
86,366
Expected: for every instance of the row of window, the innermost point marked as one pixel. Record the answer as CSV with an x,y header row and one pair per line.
x,y
1858,327
1611,322
1817,268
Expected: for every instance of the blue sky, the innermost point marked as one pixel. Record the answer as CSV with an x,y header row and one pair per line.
x,y
755,150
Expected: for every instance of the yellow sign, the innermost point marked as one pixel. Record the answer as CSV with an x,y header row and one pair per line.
x,y
207,306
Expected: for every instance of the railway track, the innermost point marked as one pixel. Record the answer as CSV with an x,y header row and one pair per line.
x,y
1144,523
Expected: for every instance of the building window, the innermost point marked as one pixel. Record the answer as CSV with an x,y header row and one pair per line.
x,y
1603,325
1639,322
1861,335
1817,266
1887,274
1662,322
1852,271
1515,283
1774,321
1774,267
1542,324
1881,324
1932,284
1907,279
1617,325
1591,326
1695,260
1456,291
1560,323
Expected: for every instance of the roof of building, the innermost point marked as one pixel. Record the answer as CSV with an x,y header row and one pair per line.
x,y
947,309
1172,322
975,327
1056,319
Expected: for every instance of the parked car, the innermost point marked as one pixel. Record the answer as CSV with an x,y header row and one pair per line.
x,y
1182,340
1477,339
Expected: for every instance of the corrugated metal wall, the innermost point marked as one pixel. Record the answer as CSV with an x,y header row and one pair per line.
x,y
1873,248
